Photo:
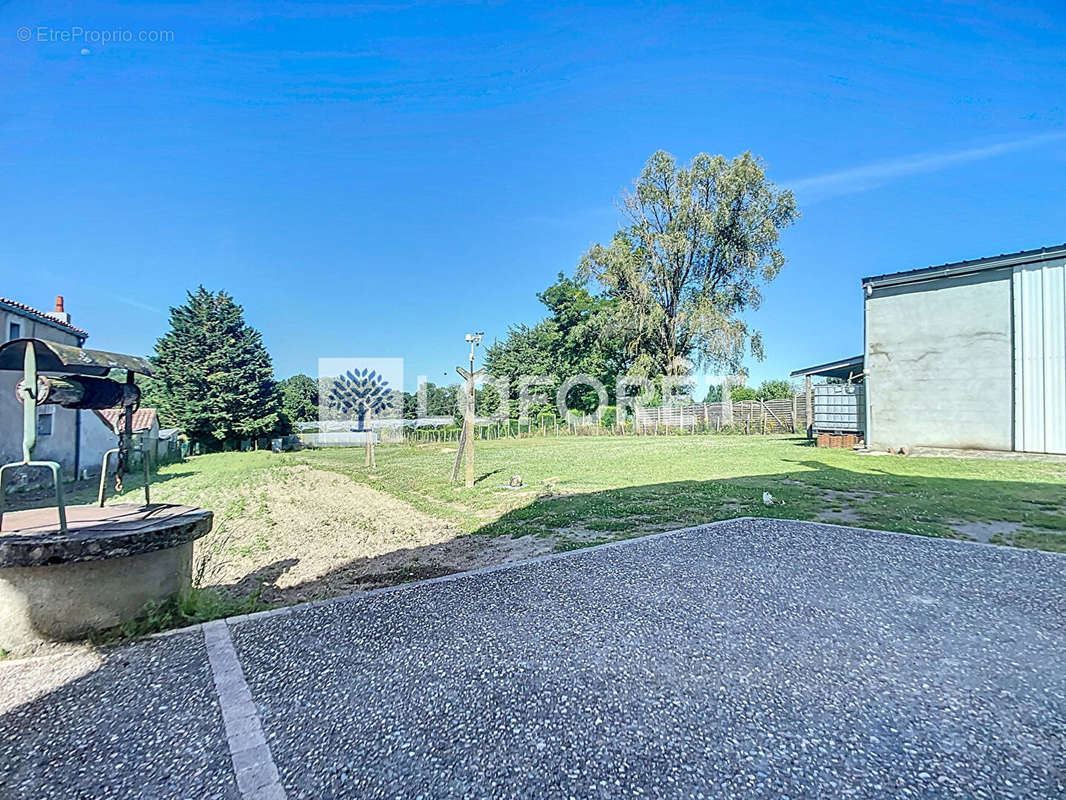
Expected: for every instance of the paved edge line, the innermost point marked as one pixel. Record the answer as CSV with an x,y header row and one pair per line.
x,y
273,612
253,765
455,576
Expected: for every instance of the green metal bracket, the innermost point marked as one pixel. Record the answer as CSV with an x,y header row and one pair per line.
x,y
29,440
29,404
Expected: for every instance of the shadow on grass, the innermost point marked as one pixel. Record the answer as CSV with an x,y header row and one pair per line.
x,y
878,499
815,491
486,475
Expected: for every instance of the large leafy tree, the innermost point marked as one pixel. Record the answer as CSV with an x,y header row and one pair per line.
x,y
698,244
578,337
441,401
299,399
215,378
774,390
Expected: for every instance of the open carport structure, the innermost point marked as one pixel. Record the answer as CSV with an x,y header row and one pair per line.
x,y
752,658
838,406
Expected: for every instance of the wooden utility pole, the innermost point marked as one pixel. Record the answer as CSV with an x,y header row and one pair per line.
x,y
466,438
371,460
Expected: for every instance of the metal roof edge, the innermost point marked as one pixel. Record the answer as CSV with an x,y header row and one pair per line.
x,y
829,365
966,267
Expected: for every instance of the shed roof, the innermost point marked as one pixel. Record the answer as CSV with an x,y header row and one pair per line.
x,y
844,368
966,267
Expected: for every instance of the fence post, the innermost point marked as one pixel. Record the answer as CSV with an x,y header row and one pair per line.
x,y
810,407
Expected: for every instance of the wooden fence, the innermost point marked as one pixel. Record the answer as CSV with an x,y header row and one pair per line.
x,y
747,416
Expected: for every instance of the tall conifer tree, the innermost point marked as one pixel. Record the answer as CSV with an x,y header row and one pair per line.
x,y
217,380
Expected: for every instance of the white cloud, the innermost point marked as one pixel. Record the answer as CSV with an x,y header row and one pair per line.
x,y
870,176
129,301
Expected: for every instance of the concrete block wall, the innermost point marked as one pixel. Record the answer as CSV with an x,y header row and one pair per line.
x,y
939,361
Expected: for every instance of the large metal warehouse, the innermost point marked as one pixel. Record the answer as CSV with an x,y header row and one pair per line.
x,y
969,355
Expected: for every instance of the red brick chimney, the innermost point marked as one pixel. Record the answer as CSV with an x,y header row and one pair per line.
x,y
59,313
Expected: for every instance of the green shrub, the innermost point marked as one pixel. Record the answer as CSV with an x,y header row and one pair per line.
x,y
193,606
610,416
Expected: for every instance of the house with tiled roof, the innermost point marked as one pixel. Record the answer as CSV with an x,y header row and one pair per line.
x,y
147,436
76,439
21,321
145,420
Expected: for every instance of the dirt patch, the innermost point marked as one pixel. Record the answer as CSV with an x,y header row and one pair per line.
x,y
983,531
307,534
849,496
845,503
992,455
839,516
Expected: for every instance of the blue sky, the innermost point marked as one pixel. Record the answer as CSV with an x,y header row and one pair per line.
x,y
379,179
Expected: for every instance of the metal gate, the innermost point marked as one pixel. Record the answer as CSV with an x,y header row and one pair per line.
x,y
1040,357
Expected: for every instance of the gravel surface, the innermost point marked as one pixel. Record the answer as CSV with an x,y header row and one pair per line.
x,y
140,721
755,658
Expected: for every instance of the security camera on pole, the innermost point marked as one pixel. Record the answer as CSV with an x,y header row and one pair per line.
x,y
466,438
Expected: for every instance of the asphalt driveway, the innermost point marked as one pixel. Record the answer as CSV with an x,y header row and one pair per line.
x,y
753,658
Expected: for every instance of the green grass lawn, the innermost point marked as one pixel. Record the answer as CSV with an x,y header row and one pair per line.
x,y
581,491
287,529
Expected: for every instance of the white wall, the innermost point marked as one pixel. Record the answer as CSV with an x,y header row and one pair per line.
x,y
59,445
1040,357
939,361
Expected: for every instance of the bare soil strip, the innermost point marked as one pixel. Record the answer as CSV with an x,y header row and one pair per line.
x,y
309,534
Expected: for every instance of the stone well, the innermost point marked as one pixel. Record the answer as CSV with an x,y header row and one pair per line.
x,y
103,571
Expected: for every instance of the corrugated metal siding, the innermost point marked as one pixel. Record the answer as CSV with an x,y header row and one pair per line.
x,y
1040,357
